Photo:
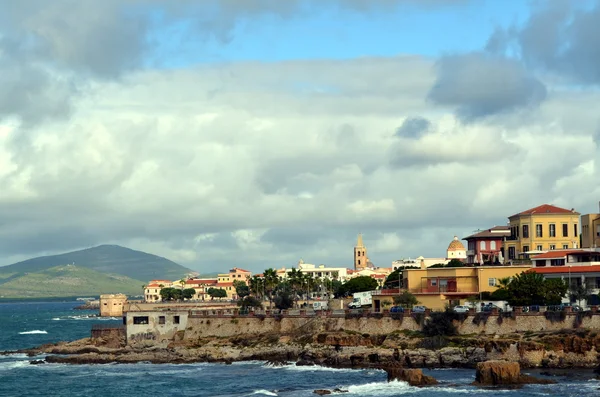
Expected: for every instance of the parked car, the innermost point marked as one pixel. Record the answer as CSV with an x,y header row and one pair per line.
x,y
396,309
489,307
461,309
418,309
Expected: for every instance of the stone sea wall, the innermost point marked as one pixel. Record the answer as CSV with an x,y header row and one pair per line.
x,y
228,326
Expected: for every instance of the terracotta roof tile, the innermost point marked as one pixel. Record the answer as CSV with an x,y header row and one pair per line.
x,y
554,254
494,232
567,269
546,209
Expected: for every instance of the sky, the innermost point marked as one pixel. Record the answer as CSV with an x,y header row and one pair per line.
x,y
257,133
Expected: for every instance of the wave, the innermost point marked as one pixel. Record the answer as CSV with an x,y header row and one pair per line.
x,y
34,332
5,366
264,392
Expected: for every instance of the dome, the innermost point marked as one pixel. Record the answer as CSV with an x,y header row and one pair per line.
x,y
456,245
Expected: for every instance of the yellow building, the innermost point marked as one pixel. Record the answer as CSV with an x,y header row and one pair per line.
x,y
111,305
435,288
590,231
541,229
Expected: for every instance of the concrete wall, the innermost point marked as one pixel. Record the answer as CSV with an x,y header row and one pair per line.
x,y
111,305
160,327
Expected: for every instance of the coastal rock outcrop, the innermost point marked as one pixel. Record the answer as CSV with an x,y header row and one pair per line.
x,y
495,373
412,376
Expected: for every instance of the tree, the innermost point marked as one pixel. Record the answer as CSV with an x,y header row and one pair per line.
x,y
531,288
283,296
554,290
241,289
453,263
359,284
580,292
217,293
248,302
188,293
502,293
256,285
394,278
295,280
406,299
270,281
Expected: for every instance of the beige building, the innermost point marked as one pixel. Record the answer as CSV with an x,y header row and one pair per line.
x,y
590,231
540,229
111,305
361,260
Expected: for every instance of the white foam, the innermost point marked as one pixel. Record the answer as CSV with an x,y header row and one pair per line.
x,y
34,332
56,319
5,366
265,392
380,389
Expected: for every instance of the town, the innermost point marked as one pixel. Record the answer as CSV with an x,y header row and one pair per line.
x,y
553,249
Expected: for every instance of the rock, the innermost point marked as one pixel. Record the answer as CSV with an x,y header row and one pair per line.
x,y
277,363
301,363
413,376
37,362
493,373
322,392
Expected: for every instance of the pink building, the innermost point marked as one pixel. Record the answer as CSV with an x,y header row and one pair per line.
x,y
486,247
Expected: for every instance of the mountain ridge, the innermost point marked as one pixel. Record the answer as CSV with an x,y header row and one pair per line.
x,y
108,259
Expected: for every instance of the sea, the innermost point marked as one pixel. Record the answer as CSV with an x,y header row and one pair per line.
x,y
29,324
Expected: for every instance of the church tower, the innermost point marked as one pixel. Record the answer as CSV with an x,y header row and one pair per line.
x,y
360,255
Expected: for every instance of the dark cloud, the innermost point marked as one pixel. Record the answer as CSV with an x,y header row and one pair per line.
x,y
413,127
560,36
480,85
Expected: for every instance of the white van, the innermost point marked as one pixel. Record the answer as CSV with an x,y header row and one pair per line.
x,y
461,309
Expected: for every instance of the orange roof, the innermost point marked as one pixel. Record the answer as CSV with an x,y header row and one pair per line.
x,y
554,254
224,284
546,209
567,269
202,281
241,270
378,276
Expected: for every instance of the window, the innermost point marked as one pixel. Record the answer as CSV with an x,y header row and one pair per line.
x,y
538,231
161,319
175,319
525,231
511,253
539,248
565,228
358,253
552,230
482,245
359,261
575,230
525,248
140,320
434,282
492,282
493,245
552,246
565,246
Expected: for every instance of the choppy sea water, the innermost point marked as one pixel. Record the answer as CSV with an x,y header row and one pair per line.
x,y
25,325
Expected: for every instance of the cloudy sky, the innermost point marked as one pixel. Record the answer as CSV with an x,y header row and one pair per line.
x,y
254,133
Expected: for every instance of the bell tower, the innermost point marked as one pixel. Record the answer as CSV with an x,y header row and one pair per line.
x,y
360,254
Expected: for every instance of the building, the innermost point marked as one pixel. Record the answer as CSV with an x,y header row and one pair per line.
x,y
590,231
579,267
361,260
152,290
111,305
486,246
540,229
201,287
225,281
456,250
436,288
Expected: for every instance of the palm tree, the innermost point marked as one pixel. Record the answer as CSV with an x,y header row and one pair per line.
x,y
256,285
295,281
270,281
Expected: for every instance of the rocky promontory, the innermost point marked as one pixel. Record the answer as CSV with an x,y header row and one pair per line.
x,y
568,349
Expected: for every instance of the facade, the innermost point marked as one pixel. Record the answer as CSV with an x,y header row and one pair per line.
x,y
486,246
540,229
111,305
152,290
361,260
201,286
322,271
576,267
590,231
154,326
456,250
435,288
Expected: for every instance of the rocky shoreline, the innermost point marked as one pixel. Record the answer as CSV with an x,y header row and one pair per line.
x,y
564,350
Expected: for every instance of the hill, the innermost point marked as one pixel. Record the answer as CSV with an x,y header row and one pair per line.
x,y
67,280
106,259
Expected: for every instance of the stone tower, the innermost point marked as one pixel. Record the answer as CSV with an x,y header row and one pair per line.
x,y
360,255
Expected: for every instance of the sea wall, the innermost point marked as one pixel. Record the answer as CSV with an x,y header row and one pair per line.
x,y
228,326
